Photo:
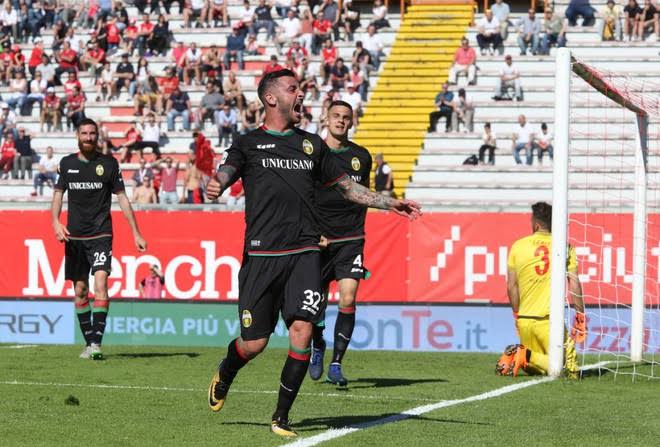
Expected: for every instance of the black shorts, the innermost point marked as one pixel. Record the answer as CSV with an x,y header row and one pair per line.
x,y
273,285
84,256
342,260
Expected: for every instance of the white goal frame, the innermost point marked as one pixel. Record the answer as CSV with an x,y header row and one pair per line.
x,y
565,65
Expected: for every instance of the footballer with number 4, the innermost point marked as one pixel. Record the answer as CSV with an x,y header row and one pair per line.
x,y
90,178
528,286
343,227
279,165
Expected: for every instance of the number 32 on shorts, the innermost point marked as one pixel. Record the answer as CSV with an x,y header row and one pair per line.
x,y
312,301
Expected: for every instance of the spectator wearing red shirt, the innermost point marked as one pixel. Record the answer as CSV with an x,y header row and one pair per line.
x,y
17,62
236,199
297,51
71,83
93,59
321,28
7,154
130,36
329,55
169,173
75,108
114,36
168,85
464,62
273,65
35,56
51,110
68,60
144,33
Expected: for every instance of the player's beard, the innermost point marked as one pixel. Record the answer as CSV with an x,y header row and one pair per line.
x,y
88,149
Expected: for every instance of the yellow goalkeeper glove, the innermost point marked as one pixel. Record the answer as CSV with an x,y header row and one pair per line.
x,y
579,331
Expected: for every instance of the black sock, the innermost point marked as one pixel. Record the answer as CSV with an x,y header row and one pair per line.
x,y
234,361
100,314
343,332
293,374
317,336
84,313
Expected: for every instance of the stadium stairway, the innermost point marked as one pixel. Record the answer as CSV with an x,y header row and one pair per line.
x,y
396,116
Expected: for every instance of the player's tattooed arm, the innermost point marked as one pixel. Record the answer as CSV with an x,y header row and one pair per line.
x,y
224,177
358,193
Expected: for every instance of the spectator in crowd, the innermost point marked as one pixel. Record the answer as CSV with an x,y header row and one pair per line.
x,y
322,29
145,30
529,30
307,30
282,7
329,56
464,62
509,77
350,19
131,138
379,12
23,23
272,65
75,104
463,112
212,65
151,287
246,16
196,10
192,65
158,40
297,52
149,131
522,139
649,19
71,82
232,87
168,177
352,97
553,31
7,155
68,60
24,155
93,59
501,11
235,49
489,143
384,177
263,20
630,14
7,120
444,108
143,172
543,143
330,10
37,92
105,143
47,70
580,8
144,193
609,27
227,121
251,117
218,12
18,89
192,186
47,172
124,77
236,199
308,82
361,84
252,46
168,84
104,83
179,57
488,37
374,45
307,123
210,102
130,36
35,57
178,105
362,58
51,111
339,74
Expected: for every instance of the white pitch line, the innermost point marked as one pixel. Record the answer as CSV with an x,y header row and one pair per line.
x,y
19,346
163,388
335,433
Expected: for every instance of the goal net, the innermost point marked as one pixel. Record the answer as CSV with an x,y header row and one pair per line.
x,y
606,196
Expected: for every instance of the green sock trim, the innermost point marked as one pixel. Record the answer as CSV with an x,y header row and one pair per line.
x,y
100,309
320,324
82,310
300,351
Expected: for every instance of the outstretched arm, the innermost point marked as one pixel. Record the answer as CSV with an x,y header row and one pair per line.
x,y
357,193
224,177
126,208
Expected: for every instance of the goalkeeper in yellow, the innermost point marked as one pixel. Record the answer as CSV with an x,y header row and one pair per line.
x,y
528,287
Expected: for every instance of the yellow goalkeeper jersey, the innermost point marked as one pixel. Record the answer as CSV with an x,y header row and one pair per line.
x,y
529,257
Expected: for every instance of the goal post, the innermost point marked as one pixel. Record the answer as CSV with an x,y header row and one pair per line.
x,y
633,102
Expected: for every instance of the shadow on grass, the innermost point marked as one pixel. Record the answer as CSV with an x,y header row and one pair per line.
x,y
147,355
388,382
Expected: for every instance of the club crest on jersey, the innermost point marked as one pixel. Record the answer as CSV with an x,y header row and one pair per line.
x,y
246,318
307,147
99,170
355,164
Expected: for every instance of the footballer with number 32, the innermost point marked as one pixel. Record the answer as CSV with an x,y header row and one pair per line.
x,y
528,286
280,165
90,178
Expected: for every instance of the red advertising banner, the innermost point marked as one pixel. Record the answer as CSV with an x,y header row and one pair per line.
x,y
442,257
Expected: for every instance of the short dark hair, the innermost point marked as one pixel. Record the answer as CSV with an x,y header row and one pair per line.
x,y
487,125
461,92
88,122
542,213
269,78
544,126
340,104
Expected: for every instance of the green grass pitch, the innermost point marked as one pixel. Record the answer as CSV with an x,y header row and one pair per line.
x,y
596,411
